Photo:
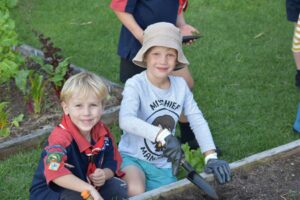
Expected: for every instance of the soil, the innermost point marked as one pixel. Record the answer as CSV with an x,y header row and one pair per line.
x,y
51,111
272,179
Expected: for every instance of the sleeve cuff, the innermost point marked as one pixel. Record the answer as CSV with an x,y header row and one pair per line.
x,y
210,156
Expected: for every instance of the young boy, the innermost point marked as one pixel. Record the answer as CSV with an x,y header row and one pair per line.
x,y
80,154
135,17
151,106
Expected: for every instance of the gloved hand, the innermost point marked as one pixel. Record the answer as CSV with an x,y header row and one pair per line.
x,y
297,79
220,169
171,149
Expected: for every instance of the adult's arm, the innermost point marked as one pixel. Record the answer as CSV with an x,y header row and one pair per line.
x,y
186,29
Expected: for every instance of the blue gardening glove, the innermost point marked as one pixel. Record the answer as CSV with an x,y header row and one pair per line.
x,y
220,169
171,149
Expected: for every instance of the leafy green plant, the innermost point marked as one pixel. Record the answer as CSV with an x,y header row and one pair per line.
x,y
21,80
9,59
54,64
37,87
5,124
4,129
57,74
194,157
16,120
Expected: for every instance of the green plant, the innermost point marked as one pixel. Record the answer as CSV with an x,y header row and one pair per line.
x,y
16,120
54,64
36,91
21,80
4,129
5,124
194,157
57,74
9,59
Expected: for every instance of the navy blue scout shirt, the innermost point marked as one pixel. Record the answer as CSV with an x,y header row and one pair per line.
x,y
145,12
65,154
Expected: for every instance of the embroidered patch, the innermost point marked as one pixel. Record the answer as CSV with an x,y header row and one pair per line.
x,y
54,166
53,160
54,157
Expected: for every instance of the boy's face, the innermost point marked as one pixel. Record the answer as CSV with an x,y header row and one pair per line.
x,y
161,61
84,111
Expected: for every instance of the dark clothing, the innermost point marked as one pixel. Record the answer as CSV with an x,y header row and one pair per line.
x,y
128,69
66,153
145,12
292,10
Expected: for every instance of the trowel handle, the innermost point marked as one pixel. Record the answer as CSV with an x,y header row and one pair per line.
x,y
187,166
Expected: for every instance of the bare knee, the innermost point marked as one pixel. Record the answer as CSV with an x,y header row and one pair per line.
x,y
135,189
135,180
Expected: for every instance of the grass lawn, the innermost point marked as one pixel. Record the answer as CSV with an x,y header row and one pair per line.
x,y
242,66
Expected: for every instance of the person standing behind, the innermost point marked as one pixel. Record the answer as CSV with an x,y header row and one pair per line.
x,y
293,11
80,154
151,106
137,15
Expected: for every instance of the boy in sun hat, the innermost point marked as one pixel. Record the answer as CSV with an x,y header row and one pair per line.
x,y
80,154
135,17
152,103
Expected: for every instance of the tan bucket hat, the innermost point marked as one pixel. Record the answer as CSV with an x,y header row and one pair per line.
x,y
161,34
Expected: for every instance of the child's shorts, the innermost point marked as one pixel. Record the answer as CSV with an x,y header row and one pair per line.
x,y
155,177
292,10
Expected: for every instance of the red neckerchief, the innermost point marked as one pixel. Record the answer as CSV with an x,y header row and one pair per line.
x,y
91,152
98,134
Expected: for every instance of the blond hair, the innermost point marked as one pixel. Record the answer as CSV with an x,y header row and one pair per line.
x,y
84,83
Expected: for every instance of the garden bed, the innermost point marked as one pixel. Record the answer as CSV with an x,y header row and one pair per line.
x,y
273,174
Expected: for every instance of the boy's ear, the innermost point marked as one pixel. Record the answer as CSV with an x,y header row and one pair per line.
x,y
64,107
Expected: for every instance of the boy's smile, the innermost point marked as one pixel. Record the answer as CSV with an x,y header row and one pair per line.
x,y
84,110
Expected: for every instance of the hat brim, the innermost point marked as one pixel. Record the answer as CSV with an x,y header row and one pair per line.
x,y
164,42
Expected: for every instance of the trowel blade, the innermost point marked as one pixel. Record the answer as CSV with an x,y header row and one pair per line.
x,y
195,178
202,184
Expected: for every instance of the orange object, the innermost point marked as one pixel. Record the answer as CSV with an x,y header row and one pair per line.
x,y
86,195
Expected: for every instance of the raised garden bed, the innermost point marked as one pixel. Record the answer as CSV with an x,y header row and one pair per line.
x,y
270,175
